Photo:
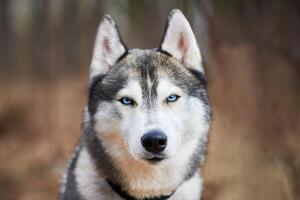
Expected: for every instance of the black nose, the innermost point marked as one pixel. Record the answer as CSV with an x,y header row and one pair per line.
x,y
154,141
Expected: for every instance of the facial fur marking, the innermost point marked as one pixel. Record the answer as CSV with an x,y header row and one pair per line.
x,y
135,94
148,80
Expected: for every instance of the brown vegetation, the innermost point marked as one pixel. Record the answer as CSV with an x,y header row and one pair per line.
x,y
254,85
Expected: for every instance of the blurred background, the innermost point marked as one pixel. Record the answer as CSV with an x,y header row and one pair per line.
x,y
252,55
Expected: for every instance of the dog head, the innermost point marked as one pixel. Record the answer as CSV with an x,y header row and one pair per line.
x,y
149,104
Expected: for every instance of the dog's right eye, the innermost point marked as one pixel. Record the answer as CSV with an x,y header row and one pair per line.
x,y
127,101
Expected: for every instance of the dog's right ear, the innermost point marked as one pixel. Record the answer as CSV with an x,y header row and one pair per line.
x,y
108,47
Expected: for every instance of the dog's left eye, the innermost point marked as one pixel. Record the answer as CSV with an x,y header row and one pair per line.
x,y
172,98
126,101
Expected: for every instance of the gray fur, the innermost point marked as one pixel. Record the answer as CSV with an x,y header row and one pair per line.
x,y
70,187
147,67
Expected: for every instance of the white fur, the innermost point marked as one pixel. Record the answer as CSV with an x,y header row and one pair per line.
x,y
108,47
106,121
190,190
92,186
120,128
63,182
87,177
132,90
180,41
62,189
175,119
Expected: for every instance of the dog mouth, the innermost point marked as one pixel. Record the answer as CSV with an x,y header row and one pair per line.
x,y
155,159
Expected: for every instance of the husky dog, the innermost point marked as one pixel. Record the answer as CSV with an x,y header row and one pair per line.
x,y
146,122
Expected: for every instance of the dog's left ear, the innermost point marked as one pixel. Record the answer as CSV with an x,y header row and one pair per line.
x,y
179,41
108,47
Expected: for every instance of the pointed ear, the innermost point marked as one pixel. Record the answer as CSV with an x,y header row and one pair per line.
x,y
180,42
108,47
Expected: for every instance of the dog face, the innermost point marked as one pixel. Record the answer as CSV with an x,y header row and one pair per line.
x,y
150,105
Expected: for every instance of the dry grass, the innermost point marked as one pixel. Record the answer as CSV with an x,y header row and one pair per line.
x,y
253,150
254,145
40,123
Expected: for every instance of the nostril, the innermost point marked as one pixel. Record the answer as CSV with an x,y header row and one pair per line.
x,y
162,141
147,142
154,141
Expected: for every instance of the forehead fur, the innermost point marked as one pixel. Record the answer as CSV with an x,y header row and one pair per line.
x,y
152,64
148,67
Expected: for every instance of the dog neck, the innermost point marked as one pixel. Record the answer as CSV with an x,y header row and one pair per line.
x,y
123,194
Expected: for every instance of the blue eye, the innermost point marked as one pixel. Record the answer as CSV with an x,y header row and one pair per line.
x,y
126,101
172,98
